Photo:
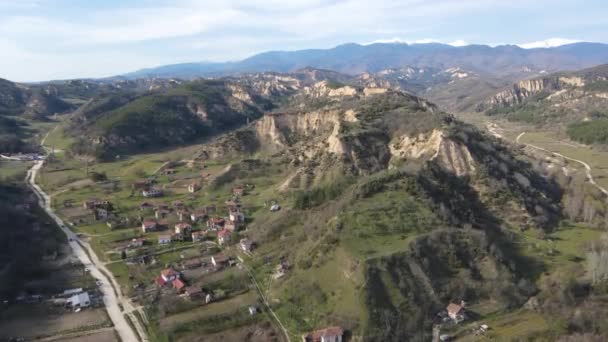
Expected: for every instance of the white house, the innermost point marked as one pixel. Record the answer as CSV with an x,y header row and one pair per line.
x,y
80,300
164,239
152,193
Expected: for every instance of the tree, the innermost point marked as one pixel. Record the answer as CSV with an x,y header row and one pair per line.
x,y
123,254
98,176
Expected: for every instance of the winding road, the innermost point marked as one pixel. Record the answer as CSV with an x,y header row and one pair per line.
x,y
115,303
587,167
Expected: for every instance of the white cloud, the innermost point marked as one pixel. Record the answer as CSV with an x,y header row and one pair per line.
x,y
150,32
548,43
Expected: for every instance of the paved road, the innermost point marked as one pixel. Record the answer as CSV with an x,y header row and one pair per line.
x,y
112,296
587,167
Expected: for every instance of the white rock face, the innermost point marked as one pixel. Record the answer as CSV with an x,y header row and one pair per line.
x,y
449,154
573,81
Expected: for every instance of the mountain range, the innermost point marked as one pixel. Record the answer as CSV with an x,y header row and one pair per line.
x,y
508,61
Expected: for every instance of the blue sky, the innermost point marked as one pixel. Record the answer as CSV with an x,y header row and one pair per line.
x,y
58,39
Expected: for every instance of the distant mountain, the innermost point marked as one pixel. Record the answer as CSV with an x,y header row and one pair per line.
x,y
578,100
507,61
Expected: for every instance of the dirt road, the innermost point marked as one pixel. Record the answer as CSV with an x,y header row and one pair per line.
x,y
585,165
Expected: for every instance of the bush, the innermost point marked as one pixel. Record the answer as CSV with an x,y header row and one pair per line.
x,y
589,132
98,176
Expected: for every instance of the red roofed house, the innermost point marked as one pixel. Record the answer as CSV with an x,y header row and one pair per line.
x,y
169,274
160,281
456,312
331,334
223,236
178,285
148,226
215,223
183,228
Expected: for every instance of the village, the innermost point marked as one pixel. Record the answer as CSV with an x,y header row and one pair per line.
x,y
186,255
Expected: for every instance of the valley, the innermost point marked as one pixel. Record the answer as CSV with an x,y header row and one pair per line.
x,y
399,204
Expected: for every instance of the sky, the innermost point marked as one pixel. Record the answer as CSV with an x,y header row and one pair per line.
x,y
61,39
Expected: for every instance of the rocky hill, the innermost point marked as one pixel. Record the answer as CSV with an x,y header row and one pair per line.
x,y
361,165
557,98
128,122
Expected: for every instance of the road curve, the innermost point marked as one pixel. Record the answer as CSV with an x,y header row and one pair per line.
x,y
112,296
587,167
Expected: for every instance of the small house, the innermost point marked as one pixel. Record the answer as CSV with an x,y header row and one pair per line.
x,y
246,245
152,193
456,312
193,187
198,236
253,310
183,215
161,213
215,223
148,226
193,292
80,300
169,274
136,243
282,269
233,203
208,298
167,172
331,334
238,191
145,206
101,214
197,216
183,228
231,225
178,285
219,260
164,239
224,236
236,215
275,207
95,203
